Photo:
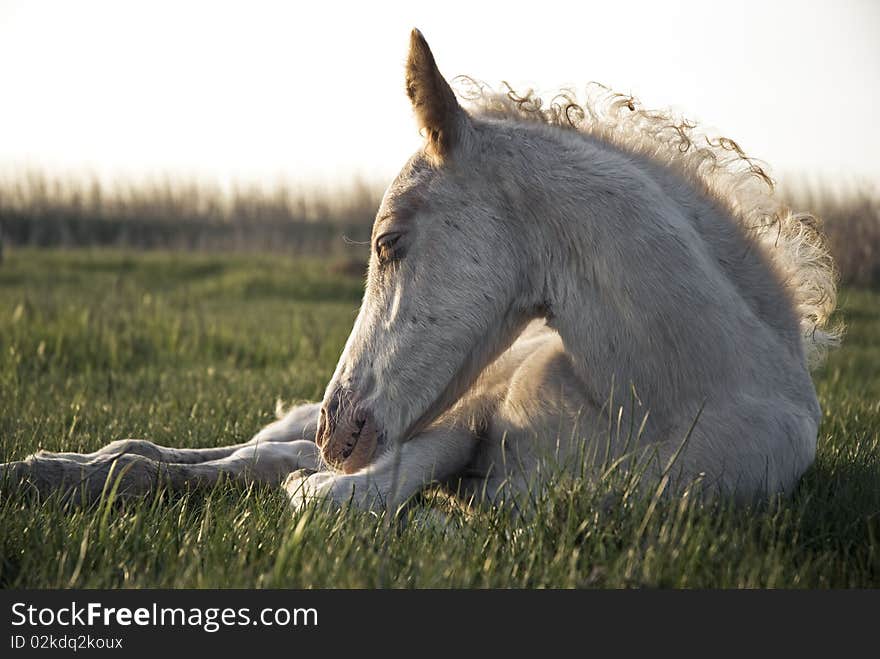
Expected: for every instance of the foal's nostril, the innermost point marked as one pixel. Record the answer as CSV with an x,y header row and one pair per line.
x,y
327,420
333,405
347,431
326,427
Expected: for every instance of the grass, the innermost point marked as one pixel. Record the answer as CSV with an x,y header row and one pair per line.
x,y
194,350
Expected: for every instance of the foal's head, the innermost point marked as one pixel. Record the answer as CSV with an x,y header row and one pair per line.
x,y
449,283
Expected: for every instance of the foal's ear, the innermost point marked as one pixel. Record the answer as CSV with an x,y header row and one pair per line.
x,y
433,100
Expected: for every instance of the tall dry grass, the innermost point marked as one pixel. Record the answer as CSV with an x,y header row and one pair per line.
x,y
37,210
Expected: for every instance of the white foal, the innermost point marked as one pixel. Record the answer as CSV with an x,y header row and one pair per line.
x,y
536,272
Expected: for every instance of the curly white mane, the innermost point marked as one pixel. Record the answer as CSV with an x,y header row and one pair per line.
x,y
792,240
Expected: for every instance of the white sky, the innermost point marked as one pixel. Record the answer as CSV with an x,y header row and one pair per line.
x,y
313,91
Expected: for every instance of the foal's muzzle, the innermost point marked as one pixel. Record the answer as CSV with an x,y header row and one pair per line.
x,y
348,434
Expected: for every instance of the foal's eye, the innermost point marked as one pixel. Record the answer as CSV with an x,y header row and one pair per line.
x,y
387,247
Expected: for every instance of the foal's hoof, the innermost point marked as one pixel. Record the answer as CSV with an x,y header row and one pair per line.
x,y
295,477
13,475
26,476
333,489
294,482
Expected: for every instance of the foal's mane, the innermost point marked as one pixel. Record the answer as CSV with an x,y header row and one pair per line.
x,y
717,166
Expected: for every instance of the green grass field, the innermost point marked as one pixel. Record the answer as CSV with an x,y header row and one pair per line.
x,y
195,350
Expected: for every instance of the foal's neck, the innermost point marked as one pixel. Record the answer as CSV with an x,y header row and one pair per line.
x,y
626,278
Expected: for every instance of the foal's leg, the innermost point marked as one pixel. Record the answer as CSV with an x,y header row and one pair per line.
x,y
299,423
431,457
141,465
267,463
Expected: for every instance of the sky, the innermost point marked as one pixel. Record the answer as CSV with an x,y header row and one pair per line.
x,y
312,92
